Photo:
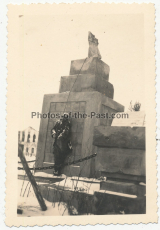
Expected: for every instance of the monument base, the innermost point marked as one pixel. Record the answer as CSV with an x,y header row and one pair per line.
x,y
82,129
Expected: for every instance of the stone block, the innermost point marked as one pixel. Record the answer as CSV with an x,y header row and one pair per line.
x,y
50,125
53,107
49,137
116,203
80,126
119,137
76,138
49,158
68,106
60,107
49,149
82,105
121,176
109,111
123,161
86,83
74,126
123,187
71,170
78,150
75,106
91,65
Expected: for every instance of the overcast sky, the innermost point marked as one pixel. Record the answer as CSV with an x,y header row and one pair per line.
x,y
49,43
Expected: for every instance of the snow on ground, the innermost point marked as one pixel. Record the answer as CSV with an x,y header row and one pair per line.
x,y
31,208
43,174
27,202
78,185
74,183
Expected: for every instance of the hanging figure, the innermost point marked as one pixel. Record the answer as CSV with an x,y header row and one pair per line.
x,y
62,147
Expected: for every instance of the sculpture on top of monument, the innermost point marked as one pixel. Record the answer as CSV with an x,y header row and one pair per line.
x,y
93,46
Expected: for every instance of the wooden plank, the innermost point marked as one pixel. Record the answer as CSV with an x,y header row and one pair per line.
x,y
119,137
31,178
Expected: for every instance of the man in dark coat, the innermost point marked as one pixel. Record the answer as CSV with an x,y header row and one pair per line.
x,y
62,147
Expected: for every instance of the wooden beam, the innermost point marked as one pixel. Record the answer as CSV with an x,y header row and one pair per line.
x,y
31,178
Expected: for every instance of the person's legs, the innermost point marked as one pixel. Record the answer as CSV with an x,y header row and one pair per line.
x,y
57,159
62,150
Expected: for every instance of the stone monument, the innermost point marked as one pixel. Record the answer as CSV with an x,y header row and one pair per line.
x,y
86,90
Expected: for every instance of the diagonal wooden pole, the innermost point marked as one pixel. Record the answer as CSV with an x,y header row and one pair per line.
x,y
31,178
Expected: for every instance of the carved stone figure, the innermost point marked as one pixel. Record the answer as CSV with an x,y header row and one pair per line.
x,y
93,46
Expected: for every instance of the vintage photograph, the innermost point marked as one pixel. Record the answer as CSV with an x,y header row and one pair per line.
x,y
81,112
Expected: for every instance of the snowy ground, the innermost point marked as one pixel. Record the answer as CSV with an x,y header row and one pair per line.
x,y
30,206
28,202
78,185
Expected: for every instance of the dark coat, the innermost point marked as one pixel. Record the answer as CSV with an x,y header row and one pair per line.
x,y
62,145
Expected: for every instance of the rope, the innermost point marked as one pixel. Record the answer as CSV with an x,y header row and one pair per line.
x,y
74,83
66,164
73,86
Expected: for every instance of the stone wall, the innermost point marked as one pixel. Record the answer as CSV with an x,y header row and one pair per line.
x,y
120,150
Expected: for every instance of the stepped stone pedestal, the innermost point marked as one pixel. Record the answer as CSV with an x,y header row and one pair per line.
x,y
86,83
91,65
86,91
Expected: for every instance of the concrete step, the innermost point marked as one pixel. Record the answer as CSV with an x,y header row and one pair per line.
x,y
99,203
121,177
113,203
43,179
124,187
71,170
